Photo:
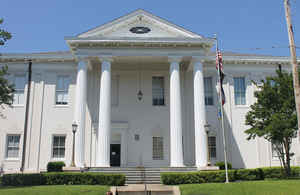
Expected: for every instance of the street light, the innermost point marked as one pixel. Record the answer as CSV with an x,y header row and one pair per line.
x,y
74,129
207,129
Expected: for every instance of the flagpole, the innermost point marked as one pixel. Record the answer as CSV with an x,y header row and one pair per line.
x,y
222,112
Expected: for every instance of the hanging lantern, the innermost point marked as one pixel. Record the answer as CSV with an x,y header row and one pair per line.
x,y
140,95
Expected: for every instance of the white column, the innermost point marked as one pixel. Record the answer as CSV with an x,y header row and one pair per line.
x,y
103,136
176,157
199,116
80,112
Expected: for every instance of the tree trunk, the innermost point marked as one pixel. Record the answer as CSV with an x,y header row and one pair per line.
x,y
287,157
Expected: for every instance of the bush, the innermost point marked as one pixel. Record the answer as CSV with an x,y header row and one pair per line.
x,y
248,174
62,178
219,176
196,177
55,166
23,179
221,165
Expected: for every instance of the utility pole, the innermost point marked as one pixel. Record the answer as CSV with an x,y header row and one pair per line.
x,y
293,60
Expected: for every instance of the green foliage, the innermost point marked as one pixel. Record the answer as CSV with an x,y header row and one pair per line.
x,y
62,178
248,174
173,178
4,35
273,116
55,166
196,177
6,89
23,179
221,165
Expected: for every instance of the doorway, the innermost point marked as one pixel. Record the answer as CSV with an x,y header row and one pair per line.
x,y
115,155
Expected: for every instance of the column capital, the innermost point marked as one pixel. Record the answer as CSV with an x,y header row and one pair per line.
x,y
172,59
106,58
82,58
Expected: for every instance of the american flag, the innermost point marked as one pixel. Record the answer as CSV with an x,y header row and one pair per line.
x,y
219,67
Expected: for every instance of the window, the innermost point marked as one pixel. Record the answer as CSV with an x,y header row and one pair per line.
x,y
158,148
239,91
115,91
13,146
212,149
58,150
62,88
208,91
158,92
19,89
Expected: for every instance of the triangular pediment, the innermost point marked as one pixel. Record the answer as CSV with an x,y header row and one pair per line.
x,y
139,24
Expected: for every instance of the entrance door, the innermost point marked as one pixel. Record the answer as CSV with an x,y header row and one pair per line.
x,y
115,155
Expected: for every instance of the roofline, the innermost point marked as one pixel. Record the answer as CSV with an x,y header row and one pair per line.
x,y
68,57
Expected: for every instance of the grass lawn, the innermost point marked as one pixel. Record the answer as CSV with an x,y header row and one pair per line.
x,y
278,187
55,190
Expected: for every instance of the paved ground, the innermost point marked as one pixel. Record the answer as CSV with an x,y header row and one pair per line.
x,y
154,189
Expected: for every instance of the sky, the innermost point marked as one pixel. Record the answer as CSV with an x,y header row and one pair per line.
x,y
242,25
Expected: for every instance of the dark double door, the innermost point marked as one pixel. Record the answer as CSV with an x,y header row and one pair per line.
x,y
115,155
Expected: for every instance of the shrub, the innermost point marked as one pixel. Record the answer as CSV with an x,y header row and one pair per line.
x,y
62,178
248,174
196,177
221,165
23,179
55,166
219,176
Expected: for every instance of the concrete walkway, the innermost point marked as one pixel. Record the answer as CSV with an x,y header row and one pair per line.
x,y
148,189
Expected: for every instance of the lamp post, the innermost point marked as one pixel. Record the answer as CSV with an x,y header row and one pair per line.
x,y
74,129
207,129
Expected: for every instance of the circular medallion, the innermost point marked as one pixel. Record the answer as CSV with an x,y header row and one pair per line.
x,y
140,30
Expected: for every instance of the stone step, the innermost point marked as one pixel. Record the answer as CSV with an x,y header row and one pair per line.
x,y
147,175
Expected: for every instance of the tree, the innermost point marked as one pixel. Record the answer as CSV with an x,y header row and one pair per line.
x,y
274,116
6,89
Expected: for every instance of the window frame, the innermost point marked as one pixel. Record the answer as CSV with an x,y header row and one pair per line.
x,y
159,154
211,91
117,80
65,91
20,90
239,91
212,147
59,147
163,90
18,147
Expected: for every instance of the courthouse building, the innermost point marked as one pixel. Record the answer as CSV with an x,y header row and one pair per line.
x,y
143,92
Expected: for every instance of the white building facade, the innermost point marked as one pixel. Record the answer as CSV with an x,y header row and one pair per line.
x,y
141,91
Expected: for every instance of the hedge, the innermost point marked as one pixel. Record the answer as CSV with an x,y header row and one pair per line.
x,y
173,178
62,178
55,166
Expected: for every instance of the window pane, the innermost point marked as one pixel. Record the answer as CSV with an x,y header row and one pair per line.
x,y
239,91
58,147
12,150
19,82
212,147
157,148
115,91
158,91
62,88
208,91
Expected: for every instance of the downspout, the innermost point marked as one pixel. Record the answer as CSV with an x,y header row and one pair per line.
x,y
26,116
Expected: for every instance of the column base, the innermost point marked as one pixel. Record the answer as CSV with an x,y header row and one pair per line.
x,y
177,165
208,168
71,169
